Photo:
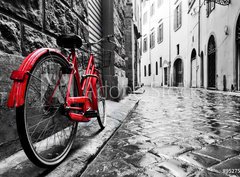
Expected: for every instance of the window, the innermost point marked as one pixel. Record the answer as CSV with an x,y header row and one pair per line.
x,y
160,33
178,49
145,44
152,40
152,9
156,68
160,62
210,7
178,17
145,18
149,69
160,2
145,71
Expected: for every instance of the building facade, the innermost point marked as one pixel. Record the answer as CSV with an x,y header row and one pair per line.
x,y
213,49
199,45
164,29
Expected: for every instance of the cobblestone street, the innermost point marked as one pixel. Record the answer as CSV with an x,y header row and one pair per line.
x,y
175,132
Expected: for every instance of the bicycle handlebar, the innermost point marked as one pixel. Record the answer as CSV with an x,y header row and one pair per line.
x,y
108,37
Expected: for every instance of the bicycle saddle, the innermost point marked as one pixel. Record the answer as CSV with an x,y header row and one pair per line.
x,y
69,41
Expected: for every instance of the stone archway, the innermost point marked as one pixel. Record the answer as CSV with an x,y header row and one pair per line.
x,y
178,73
211,63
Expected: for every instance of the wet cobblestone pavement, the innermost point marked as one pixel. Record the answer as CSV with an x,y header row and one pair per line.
x,y
175,132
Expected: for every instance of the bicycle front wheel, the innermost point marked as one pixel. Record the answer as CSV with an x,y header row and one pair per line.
x,y
101,105
46,133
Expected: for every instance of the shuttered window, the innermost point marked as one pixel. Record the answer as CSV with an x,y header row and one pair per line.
x,y
95,27
178,17
145,44
152,40
210,7
160,33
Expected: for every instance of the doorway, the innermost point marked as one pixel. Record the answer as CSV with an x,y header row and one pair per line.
x,y
194,68
202,69
178,73
211,63
237,60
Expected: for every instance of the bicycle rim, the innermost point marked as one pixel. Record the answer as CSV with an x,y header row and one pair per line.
x,y
46,133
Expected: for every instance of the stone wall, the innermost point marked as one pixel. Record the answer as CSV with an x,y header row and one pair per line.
x,y
116,20
128,43
26,25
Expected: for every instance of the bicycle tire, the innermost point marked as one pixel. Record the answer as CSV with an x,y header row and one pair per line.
x,y
101,105
45,132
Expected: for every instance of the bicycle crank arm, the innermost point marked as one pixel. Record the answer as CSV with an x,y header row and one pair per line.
x,y
83,117
78,117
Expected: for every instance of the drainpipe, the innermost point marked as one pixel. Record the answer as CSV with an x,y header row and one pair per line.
x,y
199,40
169,62
133,57
199,28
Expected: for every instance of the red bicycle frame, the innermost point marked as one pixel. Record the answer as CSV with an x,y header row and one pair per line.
x,y
85,84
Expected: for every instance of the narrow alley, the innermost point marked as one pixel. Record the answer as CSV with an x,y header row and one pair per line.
x,y
175,132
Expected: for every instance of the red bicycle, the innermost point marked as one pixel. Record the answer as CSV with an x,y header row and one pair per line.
x,y
51,98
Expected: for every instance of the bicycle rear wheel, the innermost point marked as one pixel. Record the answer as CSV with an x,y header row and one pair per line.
x,y
46,133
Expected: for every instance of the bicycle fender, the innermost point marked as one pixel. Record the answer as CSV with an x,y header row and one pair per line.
x,y
20,77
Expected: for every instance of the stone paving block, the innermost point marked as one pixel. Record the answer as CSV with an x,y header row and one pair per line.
x,y
223,134
198,160
217,152
155,134
206,173
232,128
178,168
230,167
231,143
152,173
109,154
130,149
237,136
142,160
169,151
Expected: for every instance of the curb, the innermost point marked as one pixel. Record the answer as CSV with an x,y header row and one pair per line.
x,y
87,145
78,162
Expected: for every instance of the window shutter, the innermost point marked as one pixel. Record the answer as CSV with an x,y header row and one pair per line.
x,y
161,32
95,25
175,19
180,14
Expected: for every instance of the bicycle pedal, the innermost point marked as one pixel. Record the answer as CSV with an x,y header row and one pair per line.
x,y
90,114
79,117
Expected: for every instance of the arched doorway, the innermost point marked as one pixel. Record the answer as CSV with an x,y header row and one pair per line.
x,y
194,68
202,69
211,62
237,65
178,73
